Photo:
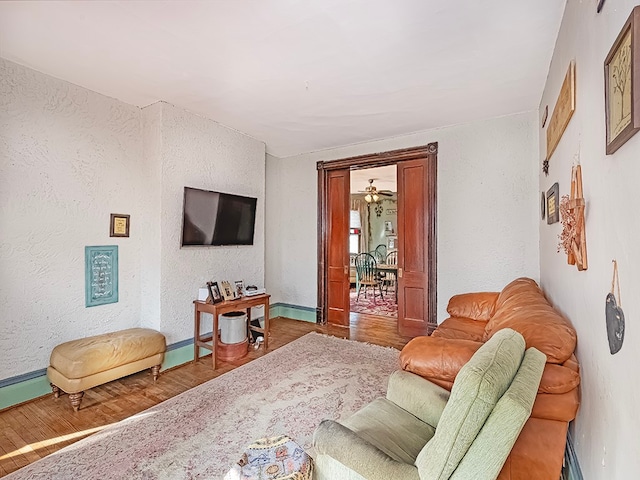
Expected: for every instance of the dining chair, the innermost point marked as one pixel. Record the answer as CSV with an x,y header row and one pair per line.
x,y
390,277
367,275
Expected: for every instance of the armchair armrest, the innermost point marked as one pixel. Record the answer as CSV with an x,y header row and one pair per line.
x,y
477,306
436,358
419,397
355,453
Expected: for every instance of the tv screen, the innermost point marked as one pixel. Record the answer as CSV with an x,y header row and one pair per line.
x,y
214,218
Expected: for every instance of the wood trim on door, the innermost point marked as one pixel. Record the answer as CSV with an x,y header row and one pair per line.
x,y
430,152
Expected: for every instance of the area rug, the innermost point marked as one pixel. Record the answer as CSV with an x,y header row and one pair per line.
x,y
386,306
200,433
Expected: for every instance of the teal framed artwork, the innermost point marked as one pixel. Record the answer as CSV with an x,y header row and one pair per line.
x,y
100,275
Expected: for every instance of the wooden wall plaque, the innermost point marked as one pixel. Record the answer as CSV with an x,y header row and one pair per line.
x,y
563,110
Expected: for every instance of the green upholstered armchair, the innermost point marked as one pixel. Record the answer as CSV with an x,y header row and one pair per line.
x,y
421,431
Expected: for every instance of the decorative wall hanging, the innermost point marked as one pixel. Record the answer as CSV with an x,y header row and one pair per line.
x,y
621,85
545,167
614,315
101,275
553,199
563,111
573,239
119,225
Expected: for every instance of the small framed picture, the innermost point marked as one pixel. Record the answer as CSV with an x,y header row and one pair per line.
x,y
388,226
214,292
553,204
228,292
239,287
119,225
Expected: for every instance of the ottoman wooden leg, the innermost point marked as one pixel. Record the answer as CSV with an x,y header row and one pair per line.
x,y
155,371
76,398
55,389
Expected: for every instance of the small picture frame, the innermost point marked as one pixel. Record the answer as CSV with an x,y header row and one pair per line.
x,y
622,85
553,204
388,226
119,225
239,287
214,292
228,292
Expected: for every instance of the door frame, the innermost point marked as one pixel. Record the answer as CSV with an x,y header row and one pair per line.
x,y
430,152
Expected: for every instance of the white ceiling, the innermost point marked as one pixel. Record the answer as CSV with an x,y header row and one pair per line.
x,y
299,75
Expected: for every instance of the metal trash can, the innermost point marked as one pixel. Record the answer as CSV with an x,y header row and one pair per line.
x,y
233,327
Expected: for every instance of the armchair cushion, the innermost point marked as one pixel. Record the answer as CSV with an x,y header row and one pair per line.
x,y
419,397
341,451
492,446
391,429
478,387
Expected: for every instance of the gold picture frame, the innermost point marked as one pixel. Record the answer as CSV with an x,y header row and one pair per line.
x,y
621,90
119,225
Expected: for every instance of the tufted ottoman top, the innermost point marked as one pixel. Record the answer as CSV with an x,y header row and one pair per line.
x,y
87,356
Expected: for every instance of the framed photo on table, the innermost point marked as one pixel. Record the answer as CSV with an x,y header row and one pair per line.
x,y
214,292
622,85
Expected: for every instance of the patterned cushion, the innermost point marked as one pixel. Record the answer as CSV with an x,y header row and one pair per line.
x,y
274,458
476,390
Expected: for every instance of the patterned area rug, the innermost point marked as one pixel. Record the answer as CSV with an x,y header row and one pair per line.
x,y
386,306
200,433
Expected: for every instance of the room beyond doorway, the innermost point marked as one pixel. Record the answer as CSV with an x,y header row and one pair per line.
x,y
373,238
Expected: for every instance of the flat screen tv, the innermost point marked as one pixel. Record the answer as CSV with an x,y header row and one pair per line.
x,y
214,218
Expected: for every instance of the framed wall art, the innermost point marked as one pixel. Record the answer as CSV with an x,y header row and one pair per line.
x,y
119,225
553,204
621,85
101,275
563,110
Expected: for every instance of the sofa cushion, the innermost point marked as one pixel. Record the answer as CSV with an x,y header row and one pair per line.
x,y
477,306
461,328
391,429
437,358
477,389
523,307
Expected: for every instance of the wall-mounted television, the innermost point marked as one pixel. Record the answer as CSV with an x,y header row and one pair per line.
x,y
215,218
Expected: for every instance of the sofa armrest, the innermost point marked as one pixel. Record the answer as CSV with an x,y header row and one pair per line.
x,y
437,358
355,453
477,306
421,398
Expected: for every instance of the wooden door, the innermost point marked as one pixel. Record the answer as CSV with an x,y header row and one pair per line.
x,y
416,247
337,204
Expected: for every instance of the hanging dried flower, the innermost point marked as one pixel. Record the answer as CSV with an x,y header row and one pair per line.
x,y
569,226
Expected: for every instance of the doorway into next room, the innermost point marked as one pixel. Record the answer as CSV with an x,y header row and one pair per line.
x,y
373,243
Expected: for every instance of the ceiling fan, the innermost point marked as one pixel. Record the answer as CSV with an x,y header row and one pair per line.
x,y
373,194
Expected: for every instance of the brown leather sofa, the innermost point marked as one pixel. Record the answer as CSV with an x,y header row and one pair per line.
x,y
475,317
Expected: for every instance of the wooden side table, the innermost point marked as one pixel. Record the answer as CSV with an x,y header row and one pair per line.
x,y
210,342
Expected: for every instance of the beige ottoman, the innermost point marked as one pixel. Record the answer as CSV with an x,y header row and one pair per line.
x,y
80,364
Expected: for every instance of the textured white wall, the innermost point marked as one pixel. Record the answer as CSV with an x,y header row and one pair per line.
x,y
487,209
198,152
68,158
606,430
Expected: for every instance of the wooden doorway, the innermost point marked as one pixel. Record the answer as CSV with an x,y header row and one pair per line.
x,y
417,194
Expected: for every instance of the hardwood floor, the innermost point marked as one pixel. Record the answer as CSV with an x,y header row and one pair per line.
x,y
44,425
